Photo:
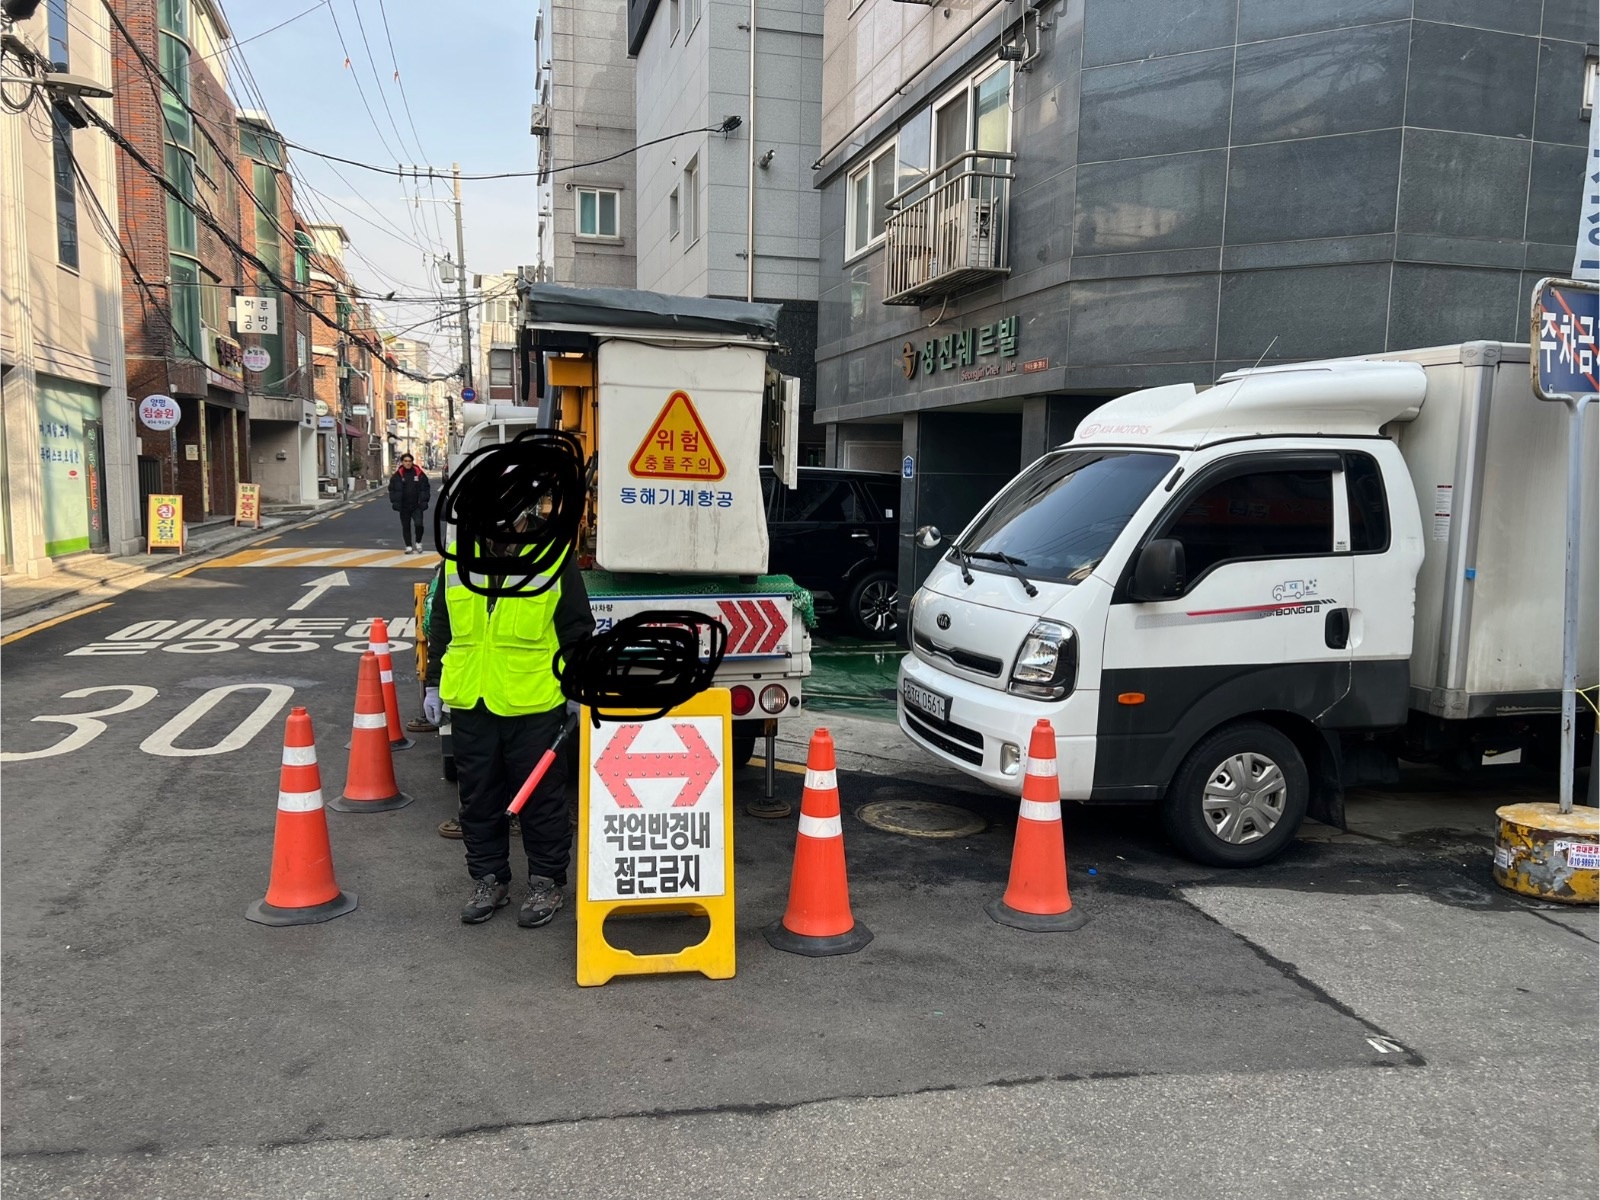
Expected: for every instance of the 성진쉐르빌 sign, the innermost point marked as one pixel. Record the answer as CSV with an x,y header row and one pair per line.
x,y
166,523
977,352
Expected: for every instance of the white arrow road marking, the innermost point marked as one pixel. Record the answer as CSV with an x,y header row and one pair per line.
x,y
318,586
1384,1045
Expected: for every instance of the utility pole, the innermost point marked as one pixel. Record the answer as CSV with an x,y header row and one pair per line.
x,y
461,292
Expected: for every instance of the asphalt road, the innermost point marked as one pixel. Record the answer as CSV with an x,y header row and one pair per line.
x,y
1353,1020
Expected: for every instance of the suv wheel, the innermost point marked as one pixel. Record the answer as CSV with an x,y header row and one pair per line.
x,y
872,605
1239,797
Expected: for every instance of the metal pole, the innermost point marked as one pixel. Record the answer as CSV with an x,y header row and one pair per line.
x,y
461,291
750,187
1574,578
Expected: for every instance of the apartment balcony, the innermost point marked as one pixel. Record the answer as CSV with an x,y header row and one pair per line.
x,y
950,232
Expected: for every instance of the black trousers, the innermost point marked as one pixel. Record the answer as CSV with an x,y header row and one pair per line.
x,y
411,525
494,756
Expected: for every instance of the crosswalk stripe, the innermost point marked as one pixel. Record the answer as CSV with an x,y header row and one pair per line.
x,y
325,556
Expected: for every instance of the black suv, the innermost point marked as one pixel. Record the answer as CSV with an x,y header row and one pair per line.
x,y
837,535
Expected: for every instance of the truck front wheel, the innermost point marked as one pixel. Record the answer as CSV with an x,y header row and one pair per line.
x,y
1239,797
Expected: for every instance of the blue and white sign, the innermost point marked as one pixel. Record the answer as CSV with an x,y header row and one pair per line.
x,y
1565,322
469,394
908,467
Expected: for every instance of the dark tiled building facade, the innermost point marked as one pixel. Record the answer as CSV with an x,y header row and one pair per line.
x,y
1196,184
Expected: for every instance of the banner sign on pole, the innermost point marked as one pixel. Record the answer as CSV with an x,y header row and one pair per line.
x,y
1586,261
655,835
166,524
247,505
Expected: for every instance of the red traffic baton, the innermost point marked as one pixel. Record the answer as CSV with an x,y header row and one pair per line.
x,y
538,773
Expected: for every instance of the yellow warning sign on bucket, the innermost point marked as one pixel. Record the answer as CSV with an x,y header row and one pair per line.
x,y
677,446
655,835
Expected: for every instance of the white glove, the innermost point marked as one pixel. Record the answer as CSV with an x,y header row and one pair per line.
x,y
432,706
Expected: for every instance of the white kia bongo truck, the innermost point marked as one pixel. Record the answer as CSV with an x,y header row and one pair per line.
x,y
1235,602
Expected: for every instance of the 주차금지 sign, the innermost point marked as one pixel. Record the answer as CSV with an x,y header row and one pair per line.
x,y
1566,315
166,524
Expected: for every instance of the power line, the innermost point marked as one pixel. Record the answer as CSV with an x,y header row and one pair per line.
x,y
361,91
264,32
727,126
388,33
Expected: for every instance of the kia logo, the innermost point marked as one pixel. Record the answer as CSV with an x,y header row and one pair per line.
x,y
942,620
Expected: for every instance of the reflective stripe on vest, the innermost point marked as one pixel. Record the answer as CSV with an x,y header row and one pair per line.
x,y
500,657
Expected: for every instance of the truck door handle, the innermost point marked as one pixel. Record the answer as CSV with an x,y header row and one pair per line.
x,y
1336,628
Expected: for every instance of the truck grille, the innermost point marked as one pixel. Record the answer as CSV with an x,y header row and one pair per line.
x,y
982,664
955,740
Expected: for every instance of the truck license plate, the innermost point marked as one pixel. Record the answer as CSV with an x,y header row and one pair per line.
x,y
918,697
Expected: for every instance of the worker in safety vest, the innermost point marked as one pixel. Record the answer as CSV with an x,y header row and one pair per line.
x,y
490,661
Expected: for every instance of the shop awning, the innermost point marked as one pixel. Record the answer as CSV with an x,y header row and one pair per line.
x,y
354,431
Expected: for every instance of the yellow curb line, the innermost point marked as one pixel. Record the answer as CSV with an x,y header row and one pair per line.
x,y
22,633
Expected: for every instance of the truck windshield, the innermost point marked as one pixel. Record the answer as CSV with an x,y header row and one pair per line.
x,y
1059,517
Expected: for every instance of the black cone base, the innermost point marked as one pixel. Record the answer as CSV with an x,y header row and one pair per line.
x,y
780,937
1073,918
405,743
345,804
263,913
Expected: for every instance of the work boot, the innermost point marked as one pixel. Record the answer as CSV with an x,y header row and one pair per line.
x,y
544,899
450,829
488,894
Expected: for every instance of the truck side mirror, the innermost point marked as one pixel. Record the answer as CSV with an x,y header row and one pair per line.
x,y
929,537
1159,573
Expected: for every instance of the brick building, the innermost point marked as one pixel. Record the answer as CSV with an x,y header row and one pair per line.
x,y
174,112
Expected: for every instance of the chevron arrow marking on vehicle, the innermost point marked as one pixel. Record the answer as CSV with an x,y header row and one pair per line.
x,y
758,625
618,769
737,625
780,627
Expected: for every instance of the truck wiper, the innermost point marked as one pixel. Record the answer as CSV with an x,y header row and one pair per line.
x,y
1010,563
963,560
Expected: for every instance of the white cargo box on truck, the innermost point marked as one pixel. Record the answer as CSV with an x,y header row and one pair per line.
x,y
1488,461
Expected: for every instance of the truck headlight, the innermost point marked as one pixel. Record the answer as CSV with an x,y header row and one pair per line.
x,y
1047,664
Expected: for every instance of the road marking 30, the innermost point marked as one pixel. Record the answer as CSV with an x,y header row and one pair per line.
x,y
86,726
160,743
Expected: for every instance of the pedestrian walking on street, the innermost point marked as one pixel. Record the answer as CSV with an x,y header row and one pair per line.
x,y
408,496
490,659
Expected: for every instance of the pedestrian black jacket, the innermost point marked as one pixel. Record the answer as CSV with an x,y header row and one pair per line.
x,y
408,490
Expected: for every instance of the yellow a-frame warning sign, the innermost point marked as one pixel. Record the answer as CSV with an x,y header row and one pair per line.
x,y
677,446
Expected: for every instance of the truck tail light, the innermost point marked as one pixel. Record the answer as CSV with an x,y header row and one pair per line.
x,y
743,700
774,699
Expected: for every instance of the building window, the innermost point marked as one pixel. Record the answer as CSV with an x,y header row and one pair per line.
x,y
179,170
500,368
597,212
673,215
689,204
677,20
185,300
691,16
871,189
212,303
66,193
58,35
1591,83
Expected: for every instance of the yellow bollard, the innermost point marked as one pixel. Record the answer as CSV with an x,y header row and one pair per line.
x,y
1543,852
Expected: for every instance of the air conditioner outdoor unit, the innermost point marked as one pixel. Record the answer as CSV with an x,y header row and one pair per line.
x,y
539,125
967,235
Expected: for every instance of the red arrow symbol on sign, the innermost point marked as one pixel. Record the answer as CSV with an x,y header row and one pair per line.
x,y
779,627
737,625
618,769
758,625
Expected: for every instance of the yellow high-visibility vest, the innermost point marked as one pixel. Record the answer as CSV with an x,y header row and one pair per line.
x,y
501,656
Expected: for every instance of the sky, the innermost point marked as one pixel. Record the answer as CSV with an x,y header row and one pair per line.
x,y
466,68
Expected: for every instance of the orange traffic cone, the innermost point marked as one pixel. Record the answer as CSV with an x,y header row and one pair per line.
x,y
818,920
378,643
302,890
369,784
1036,899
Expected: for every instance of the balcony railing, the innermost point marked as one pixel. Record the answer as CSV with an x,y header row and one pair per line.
x,y
950,232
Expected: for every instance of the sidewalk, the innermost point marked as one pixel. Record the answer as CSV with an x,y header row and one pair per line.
x,y
90,578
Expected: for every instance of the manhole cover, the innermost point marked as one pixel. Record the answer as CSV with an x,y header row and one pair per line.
x,y
920,818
